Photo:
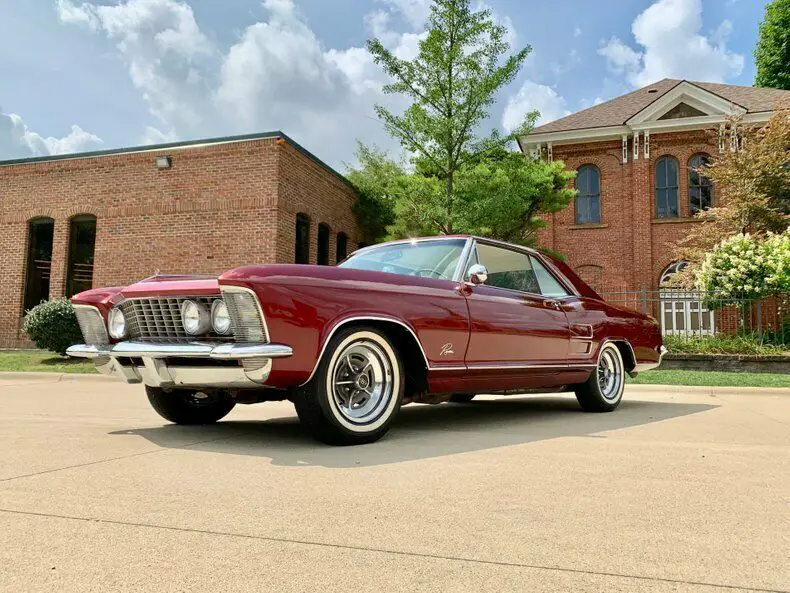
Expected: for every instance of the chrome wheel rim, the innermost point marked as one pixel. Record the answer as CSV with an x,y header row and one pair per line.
x,y
362,381
610,375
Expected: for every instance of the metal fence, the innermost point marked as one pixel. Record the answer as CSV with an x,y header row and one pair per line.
x,y
692,313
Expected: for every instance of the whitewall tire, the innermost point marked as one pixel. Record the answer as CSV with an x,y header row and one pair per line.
x,y
356,391
603,391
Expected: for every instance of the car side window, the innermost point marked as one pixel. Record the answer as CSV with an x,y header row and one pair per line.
x,y
508,269
549,286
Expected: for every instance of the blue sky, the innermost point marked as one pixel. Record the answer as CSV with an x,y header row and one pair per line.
x,y
88,75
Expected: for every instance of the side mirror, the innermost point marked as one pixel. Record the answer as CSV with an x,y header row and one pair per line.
x,y
477,274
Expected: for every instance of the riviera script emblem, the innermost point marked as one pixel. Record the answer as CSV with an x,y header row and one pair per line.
x,y
447,350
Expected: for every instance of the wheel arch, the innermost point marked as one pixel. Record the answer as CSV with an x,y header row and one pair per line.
x,y
403,338
627,353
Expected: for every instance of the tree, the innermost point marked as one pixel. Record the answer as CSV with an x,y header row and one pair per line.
x,y
500,194
773,49
452,82
752,193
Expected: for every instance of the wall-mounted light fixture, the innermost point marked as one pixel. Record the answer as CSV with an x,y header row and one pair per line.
x,y
163,162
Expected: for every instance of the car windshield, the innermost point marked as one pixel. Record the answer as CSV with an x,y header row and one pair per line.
x,y
430,259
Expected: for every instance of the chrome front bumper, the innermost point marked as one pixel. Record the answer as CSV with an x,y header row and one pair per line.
x,y
185,365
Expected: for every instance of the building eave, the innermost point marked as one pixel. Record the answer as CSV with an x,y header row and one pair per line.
x,y
176,146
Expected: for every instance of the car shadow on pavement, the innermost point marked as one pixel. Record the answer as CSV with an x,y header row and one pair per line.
x,y
419,432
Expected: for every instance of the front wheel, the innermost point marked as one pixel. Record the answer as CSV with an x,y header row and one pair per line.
x,y
356,391
188,406
603,391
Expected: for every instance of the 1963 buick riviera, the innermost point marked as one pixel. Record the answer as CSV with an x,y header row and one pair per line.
x,y
425,320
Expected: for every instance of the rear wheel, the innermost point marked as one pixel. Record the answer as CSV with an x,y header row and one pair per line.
x,y
187,406
356,390
603,391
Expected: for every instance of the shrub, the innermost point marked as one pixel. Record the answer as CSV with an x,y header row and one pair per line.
x,y
741,343
53,326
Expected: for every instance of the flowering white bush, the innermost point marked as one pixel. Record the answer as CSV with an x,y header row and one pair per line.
x,y
744,267
776,251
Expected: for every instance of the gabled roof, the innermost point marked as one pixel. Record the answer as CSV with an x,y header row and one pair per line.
x,y
618,111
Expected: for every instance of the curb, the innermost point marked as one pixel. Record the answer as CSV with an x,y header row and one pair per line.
x,y
708,390
54,377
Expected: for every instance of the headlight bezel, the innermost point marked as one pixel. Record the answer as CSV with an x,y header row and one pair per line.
x,y
112,324
215,310
193,311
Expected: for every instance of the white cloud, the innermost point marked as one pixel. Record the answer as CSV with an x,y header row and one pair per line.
x,y
620,58
277,76
19,141
532,96
668,33
577,31
414,11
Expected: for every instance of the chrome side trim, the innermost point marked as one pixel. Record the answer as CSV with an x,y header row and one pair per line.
x,y
233,288
367,318
517,367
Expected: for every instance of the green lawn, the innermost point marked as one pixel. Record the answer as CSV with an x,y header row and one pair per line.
x,y
33,360
711,378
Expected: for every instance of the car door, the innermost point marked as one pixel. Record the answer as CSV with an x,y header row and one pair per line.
x,y
512,323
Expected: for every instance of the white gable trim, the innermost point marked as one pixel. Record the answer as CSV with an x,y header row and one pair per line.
x,y
690,94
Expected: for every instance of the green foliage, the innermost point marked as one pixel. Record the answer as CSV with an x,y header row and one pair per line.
x,y
460,66
53,326
749,343
374,180
773,49
746,267
500,194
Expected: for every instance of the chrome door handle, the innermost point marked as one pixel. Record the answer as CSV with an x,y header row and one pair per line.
x,y
551,304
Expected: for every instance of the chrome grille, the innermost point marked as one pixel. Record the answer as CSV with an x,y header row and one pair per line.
x,y
92,325
158,319
245,315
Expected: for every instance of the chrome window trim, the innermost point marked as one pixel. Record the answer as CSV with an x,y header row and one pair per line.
x,y
233,288
461,267
564,282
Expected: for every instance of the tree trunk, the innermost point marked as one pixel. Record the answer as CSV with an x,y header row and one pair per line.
x,y
449,223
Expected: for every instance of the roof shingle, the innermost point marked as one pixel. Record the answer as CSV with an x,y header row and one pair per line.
x,y
620,109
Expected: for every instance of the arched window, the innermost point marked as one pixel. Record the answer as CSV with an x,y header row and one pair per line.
x,y
700,187
302,246
667,187
322,251
341,247
82,244
588,200
40,235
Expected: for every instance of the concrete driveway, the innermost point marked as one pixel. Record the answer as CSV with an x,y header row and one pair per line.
x,y
675,491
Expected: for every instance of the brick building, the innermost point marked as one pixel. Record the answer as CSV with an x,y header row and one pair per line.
x,y
638,188
114,217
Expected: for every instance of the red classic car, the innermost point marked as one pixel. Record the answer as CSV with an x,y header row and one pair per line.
x,y
423,320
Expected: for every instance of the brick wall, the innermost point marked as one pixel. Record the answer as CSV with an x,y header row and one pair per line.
x,y
631,247
219,206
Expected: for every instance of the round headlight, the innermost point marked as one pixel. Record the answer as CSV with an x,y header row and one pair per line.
x,y
220,318
195,318
116,324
